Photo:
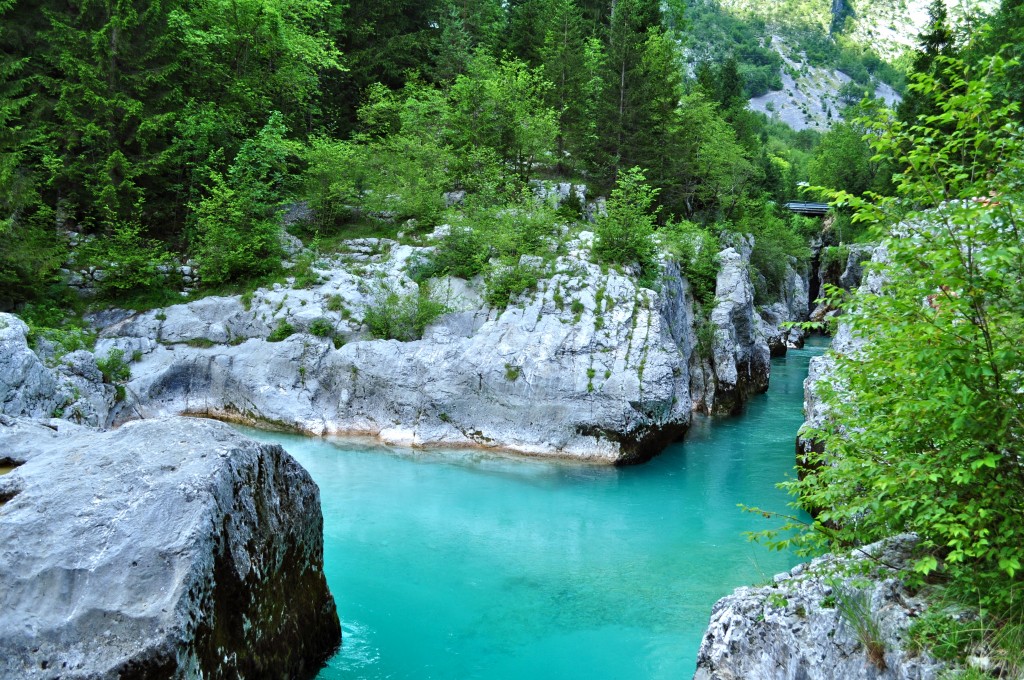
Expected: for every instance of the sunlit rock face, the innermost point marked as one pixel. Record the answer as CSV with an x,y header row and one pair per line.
x,y
589,366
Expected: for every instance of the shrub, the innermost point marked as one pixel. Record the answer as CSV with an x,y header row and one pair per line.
x,y
463,252
321,328
927,418
508,280
696,250
114,367
237,228
130,262
395,315
624,234
512,372
335,303
281,331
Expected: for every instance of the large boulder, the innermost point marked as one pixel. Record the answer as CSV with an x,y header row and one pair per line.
x,y
172,548
584,367
590,365
821,621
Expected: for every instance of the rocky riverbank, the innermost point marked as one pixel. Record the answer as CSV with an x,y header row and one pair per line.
x,y
836,617
588,366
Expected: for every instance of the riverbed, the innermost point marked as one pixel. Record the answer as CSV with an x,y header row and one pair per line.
x,y
462,565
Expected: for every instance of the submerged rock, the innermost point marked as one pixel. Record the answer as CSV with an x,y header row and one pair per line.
x,y
796,628
174,548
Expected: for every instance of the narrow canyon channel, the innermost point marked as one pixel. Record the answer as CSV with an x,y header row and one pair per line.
x,y
465,565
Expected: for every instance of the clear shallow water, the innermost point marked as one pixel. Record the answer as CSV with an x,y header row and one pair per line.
x,y
460,565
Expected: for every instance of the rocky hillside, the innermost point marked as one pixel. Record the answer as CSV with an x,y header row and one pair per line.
x,y
589,365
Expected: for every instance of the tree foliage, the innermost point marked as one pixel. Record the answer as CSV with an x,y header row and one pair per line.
x,y
624,235
925,421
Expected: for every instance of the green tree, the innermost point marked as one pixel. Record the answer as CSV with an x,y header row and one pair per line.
x,y
238,234
934,45
624,235
926,420
502,106
843,160
572,62
712,170
622,116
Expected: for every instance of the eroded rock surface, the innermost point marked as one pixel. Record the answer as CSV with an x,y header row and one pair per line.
x,y
844,342
589,366
795,628
738,363
73,388
173,548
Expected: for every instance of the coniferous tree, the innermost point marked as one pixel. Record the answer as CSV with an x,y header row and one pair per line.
x,y
622,114
382,42
527,27
935,43
109,67
572,62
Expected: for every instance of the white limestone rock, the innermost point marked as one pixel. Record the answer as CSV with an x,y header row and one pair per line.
x,y
172,548
792,629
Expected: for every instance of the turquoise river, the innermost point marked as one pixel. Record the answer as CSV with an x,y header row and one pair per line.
x,y
464,565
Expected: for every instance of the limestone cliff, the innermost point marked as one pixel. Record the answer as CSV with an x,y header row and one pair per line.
x,y
589,366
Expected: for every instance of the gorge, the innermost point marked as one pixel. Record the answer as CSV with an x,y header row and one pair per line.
x,y
462,564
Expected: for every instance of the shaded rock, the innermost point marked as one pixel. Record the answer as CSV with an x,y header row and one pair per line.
x,y
845,272
739,361
74,389
793,629
844,342
166,549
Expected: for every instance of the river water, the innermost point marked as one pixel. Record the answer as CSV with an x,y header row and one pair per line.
x,y
463,565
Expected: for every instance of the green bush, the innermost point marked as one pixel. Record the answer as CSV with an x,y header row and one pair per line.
x,y
321,328
396,315
237,232
130,262
281,331
463,252
114,367
335,303
927,418
509,280
696,249
625,234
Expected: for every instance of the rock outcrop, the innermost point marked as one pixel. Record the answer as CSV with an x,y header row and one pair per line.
x,y
839,266
844,342
72,389
797,628
589,366
738,362
792,307
172,548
